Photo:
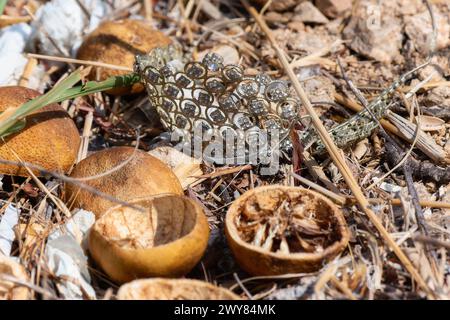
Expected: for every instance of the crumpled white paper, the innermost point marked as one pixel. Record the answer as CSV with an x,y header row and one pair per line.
x,y
8,222
12,43
66,257
65,22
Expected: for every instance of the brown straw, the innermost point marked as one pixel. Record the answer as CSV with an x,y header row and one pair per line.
x,y
335,153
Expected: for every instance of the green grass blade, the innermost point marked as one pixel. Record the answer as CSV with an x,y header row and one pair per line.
x,y
41,101
94,86
2,6
17,126
61,92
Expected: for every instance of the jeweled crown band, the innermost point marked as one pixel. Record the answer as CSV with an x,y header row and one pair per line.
x,y
214,96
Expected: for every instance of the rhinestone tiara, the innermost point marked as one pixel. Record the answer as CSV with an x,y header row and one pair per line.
x,y
215,97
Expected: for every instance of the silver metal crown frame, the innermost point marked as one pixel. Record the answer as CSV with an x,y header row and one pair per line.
x,y
209,95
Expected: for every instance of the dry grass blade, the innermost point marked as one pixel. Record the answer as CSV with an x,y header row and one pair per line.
x,y
336,155
82,62
402,128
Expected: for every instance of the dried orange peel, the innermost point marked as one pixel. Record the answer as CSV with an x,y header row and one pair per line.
x,y
277,230
166,239
173,289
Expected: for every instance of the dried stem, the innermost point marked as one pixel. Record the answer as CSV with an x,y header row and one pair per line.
x,y
82,62
335,154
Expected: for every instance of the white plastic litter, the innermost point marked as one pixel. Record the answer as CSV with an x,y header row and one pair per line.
x,y
66,257
65,22
388,187
12,43
7,224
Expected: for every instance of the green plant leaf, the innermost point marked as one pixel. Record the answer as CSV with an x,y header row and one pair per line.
x,y
94,86
39,102
16,127
2,6
64,90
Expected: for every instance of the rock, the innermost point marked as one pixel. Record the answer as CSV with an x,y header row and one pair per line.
x,y
185,167
13,290
63,22
307,40
437,69
407,7
275,17
319,88
296,26
375,33
439,96
333,8
307,12
229,53
419,29
279,5
437,103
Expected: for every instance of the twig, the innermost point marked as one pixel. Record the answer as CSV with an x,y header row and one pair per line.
x,y
223,172
6,277
404,159
343,199
402,128
82,153
148,9
281,276
403,162
343,288
115,168
432,241
82,62
61,206
339,198
242,286
27,71
64,178
335,154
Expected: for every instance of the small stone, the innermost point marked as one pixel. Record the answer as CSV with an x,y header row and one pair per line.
x,y
419,29
248,88
308,13
168,105
217,116
228,102
272,124
288,110
181,122
258,107
232,73
152,75
189,109
183,81
296,26
263,79
195,70
375,32
279,5
215,86
213,61
276,17
277,91
245,123
167,71
333,8
438,98
228,53
204,98
171,90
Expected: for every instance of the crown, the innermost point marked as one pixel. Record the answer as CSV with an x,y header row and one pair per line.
x,y
210,96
